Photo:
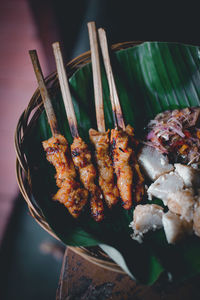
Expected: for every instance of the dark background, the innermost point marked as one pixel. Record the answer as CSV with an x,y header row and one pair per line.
x,y
123,20
30,258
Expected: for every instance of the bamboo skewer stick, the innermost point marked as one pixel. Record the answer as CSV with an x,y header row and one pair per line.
x,y
129,170
58,155
116,107
100,138
44,92
65,90
96,71
81,154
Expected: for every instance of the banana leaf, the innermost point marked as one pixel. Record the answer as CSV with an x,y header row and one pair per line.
x,y
150,78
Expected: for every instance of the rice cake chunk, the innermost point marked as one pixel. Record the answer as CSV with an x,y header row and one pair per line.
x,y
165,184
196,220
154,163
175,228
190,176
182,203
146,217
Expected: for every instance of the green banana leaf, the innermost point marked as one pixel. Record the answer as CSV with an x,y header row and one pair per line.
x,y
150,78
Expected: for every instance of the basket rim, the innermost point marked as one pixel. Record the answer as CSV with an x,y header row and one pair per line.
x,y
29,115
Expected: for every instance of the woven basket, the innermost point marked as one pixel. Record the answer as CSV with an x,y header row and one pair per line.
x,y
27,119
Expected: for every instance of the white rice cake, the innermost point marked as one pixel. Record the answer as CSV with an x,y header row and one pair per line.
x,y
146,217
196,220
182,203
154,163
175,228
164,185
191,176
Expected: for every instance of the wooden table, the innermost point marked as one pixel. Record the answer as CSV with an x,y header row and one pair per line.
x,y
82,280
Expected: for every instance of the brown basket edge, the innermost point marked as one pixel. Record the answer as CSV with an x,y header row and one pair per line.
x,y
22,168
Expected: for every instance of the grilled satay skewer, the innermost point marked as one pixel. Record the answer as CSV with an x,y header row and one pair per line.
x,y
139,187
122,140
81,154
100,138
58,153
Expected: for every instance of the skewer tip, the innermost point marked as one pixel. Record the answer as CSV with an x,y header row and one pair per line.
x,y
96,70
90,23
33,55
101,30
65,90
32,51
56,45
116,107
44,92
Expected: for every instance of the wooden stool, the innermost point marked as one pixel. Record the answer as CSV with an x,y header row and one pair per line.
x,y
81,279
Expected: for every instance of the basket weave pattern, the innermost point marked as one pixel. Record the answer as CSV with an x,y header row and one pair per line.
x,y
27,119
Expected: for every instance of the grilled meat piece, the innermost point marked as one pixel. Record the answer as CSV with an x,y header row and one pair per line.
x,y
100,140
58,154
122,153
82,159
70,193
72,196
139,188
138,177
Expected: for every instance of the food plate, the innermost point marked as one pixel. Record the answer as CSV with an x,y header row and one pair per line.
x,y
150,78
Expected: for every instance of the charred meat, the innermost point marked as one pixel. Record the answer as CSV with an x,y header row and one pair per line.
x,y
82,159
138,177
100,142
122,154
70,193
